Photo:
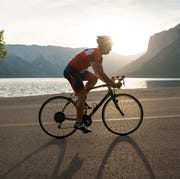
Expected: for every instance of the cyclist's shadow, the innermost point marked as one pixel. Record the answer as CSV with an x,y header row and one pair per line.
x,y
55,173
129,140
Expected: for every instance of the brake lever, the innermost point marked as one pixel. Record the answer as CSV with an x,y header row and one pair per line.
x,y
123,82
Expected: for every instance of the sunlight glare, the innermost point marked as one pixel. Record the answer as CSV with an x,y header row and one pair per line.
x,y
129,37
129,43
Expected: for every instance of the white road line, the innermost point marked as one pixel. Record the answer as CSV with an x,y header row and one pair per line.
x,y
159,117
146,117
160,98
14,125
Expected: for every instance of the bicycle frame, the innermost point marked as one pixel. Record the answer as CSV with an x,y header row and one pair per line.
x,y
110,93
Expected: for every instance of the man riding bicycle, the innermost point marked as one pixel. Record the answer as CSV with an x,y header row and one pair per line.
x,y
76,72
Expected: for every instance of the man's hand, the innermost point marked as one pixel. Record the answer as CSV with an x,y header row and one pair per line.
x,y
117,81
118,85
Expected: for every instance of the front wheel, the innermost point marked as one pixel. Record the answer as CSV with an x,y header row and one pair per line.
x,y
57,116
123,115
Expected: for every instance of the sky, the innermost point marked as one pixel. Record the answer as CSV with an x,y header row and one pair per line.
x,y
76,23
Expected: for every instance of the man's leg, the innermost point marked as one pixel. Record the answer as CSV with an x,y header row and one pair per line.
x,y
91,81
75,79
81,98
80,108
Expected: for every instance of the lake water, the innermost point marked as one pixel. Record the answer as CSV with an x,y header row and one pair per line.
x,y
16,87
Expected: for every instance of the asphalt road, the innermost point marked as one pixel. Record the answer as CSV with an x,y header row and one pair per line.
x,y
153,151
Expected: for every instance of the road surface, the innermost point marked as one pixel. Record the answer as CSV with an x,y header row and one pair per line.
x,y
153,151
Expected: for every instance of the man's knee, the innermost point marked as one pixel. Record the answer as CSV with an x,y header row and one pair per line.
x,y
92,78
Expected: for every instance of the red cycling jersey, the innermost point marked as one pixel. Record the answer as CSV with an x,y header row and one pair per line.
x,y
86,58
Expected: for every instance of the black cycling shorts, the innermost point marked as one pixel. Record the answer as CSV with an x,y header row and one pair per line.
x,y
75,78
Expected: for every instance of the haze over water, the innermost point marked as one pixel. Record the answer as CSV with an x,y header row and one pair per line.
x,y
16,87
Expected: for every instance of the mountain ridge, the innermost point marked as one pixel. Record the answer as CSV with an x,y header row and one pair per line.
x,y
49,61
161,42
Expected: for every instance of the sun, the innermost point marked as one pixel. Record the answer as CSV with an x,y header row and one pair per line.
x,y
129,44
128,37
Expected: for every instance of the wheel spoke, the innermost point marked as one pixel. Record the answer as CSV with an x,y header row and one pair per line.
x,y
57,117
132,110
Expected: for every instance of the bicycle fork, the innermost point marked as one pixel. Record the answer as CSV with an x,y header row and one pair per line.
x,y
117,105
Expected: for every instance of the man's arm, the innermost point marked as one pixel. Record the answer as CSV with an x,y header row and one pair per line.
x,y
98,69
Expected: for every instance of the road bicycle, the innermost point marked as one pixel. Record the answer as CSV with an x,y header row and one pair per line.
x,y
122,113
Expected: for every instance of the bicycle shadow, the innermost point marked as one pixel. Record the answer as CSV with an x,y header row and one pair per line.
x,y
118,140
73,167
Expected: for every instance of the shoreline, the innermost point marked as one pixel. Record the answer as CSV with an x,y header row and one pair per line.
x,y
29,88
140,93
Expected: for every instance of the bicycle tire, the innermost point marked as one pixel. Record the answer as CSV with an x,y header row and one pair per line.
x,y
119,124
57,116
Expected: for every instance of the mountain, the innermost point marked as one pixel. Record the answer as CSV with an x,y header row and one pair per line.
x,y
164,65
161,59
13,66
162,39
35,61
48,61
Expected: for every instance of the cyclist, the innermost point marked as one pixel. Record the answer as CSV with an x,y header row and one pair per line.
x,y
76,72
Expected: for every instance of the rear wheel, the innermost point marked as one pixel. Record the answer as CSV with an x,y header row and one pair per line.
x,y
122,116
57,116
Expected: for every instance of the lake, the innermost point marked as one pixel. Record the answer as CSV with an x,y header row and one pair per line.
x,y
16,87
